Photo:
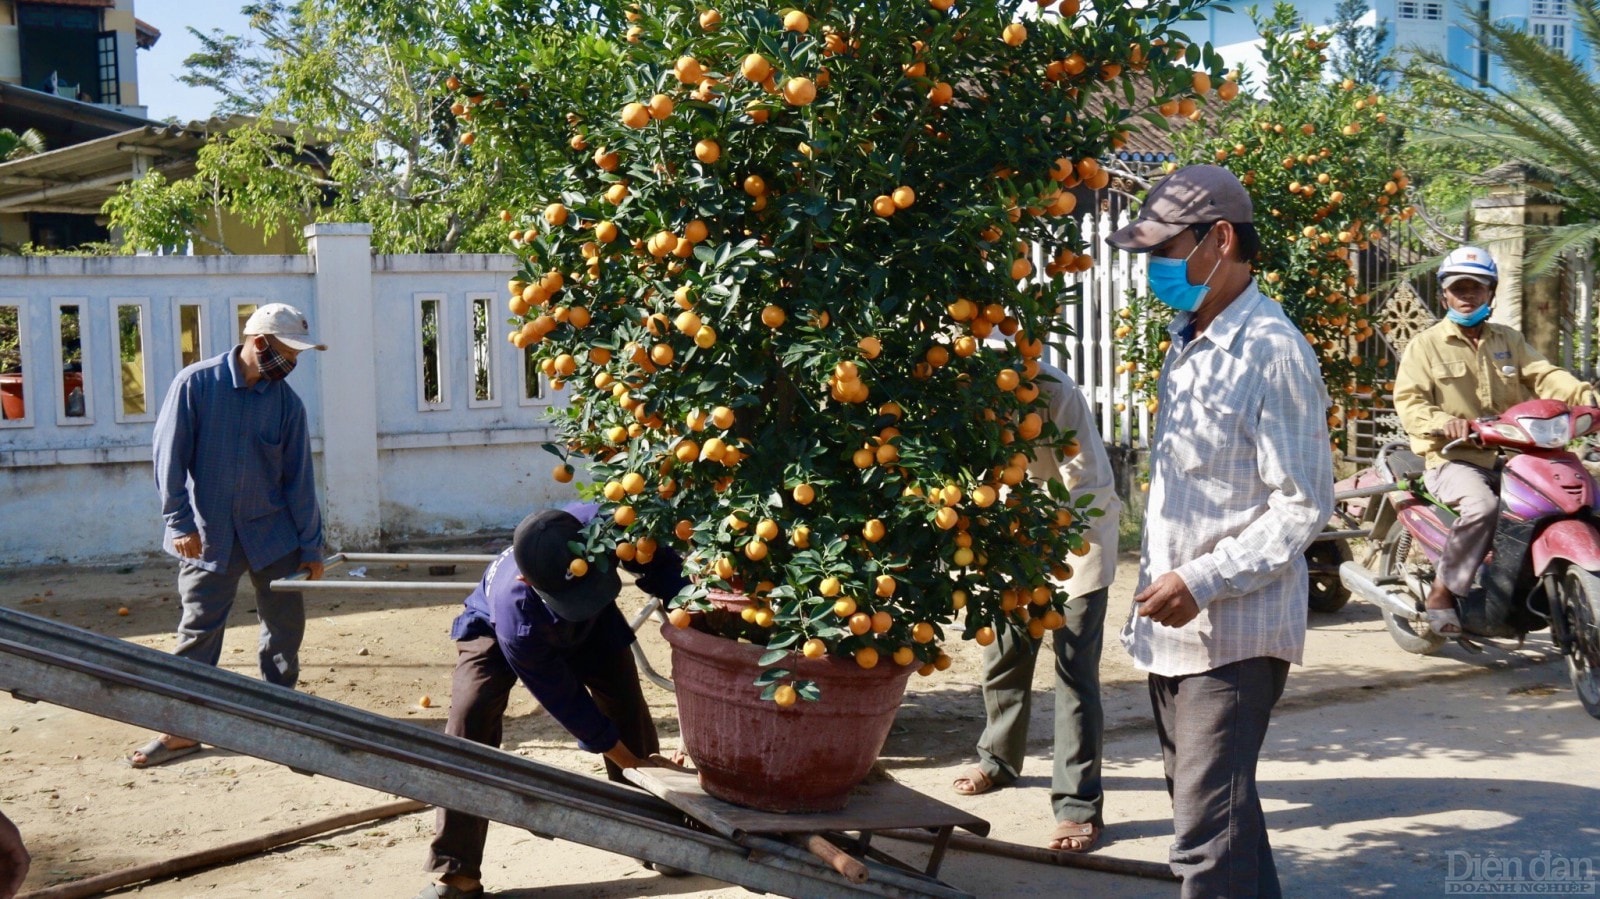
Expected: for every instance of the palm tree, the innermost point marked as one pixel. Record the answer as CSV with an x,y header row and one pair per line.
x,y
1548,121
16,146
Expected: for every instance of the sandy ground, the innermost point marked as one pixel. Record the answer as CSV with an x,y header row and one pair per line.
x,y
1374,772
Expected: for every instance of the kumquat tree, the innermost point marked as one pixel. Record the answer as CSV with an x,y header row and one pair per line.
x,y
1317,158
772,276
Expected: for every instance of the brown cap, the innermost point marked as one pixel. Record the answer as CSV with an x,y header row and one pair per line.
x,y
1194,195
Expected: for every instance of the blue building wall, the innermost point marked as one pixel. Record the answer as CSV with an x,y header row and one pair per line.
x,y
1441,26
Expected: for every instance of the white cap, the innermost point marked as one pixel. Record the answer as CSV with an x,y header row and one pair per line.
x,y
284,322
1469,262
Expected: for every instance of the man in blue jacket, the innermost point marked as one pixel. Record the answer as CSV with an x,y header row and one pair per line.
x,y
533,619
238,496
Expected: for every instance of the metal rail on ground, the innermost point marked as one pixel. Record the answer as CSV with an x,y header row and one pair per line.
x,y
333,563
51,662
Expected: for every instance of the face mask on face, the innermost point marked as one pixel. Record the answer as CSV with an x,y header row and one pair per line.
x,y
1471,319
274,365
1169,281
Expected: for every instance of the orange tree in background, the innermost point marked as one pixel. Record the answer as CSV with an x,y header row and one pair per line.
x,y
1318,160
765,274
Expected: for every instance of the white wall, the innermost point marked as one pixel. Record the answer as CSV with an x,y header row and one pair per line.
x,y
81,489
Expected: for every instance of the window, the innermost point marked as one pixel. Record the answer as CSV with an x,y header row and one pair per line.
x,y
132,366
1552,8
482,353
59,46
1419,9
13,351
433,385
75,404
242,310
191,345
110,73
1551,35
532,380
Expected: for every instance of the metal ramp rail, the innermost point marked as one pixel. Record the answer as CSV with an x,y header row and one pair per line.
x,y
42,660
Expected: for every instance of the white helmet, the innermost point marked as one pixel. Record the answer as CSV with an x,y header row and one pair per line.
x,y
1469,262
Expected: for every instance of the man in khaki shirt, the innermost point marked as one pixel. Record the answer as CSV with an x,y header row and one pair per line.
x,y
1462,368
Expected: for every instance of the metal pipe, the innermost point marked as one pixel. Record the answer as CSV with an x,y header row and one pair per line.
x,y
1358,579
194,861
1342,535
986,846
326,585
640,660
1358,492
421,558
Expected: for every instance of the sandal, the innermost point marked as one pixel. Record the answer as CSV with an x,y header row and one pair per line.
x,y
446,891
973,782
157,753
1071,836
1445,623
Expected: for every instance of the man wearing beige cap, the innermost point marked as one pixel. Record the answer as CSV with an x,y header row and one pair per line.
x,y
233,467
1241,480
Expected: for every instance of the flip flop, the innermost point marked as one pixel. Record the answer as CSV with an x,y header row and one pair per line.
x,y
157,753
1071,836
973,782
1445,623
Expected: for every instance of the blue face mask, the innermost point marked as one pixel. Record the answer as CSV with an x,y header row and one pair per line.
x,y
1472,319
1169,281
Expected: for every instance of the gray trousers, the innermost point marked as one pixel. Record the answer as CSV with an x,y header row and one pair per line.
x,y
480,688
1075,792
207,598
1211,727
1474,493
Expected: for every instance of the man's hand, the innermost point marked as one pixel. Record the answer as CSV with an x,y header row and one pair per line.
x,y
1168,601
187,546
315,569
1457,429
621,756
674,761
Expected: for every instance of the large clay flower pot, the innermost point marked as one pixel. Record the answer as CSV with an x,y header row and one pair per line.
x,y
805,758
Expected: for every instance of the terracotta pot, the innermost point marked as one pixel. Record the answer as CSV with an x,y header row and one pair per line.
x,y
11,396
805,758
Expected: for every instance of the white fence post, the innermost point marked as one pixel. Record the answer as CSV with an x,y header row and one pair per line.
x,y
341,257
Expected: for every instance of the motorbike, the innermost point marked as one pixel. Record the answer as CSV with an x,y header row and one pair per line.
x,y
1543,568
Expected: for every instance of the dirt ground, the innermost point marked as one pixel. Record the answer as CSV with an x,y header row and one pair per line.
x,y
83,813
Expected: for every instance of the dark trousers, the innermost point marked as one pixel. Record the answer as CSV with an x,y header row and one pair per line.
x,y
207,598
1211,727
1075,792
479,690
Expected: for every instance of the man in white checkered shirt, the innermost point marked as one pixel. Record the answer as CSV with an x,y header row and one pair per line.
x,y
1241,481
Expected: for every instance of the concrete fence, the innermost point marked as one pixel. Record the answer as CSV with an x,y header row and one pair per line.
x,y
424,419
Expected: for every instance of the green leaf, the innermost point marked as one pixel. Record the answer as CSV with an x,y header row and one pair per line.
x,y
772,675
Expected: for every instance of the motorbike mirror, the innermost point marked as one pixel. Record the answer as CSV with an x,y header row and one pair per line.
x,y
1585,420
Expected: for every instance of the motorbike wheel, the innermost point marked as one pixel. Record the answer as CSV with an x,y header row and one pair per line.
x,y
1580,608
1323,558
1411,636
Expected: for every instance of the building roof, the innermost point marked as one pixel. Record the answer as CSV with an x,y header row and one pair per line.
x,y
62,120
80,178
145,34
94,4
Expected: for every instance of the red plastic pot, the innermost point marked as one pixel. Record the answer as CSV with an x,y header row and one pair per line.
x,y
805,758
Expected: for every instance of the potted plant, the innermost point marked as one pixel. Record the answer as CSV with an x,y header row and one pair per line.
x,y
784,243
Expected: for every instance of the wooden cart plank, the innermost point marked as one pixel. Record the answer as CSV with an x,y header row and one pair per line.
x,y
877,806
